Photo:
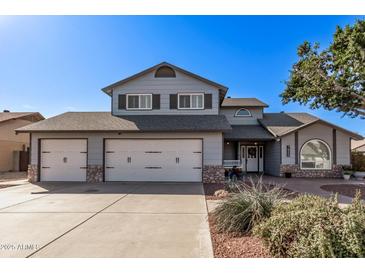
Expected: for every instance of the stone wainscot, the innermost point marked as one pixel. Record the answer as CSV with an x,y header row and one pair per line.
x,y
335,172
213,174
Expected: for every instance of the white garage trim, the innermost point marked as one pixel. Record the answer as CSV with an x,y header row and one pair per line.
x,y
131,175
75,156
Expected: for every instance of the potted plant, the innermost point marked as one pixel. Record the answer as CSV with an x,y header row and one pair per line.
x,y
347,174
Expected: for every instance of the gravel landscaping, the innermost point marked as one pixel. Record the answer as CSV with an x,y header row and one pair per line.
x,y
210,189
227,245
5,186
12,176
348,190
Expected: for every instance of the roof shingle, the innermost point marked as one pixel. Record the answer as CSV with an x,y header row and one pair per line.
x,y
5,116
104,121
284,123
243,102
248,132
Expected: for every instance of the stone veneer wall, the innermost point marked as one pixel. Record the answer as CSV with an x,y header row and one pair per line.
x,y
94,174
32,173
335,172
213,174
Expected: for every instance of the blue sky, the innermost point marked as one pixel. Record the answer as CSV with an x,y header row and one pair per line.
x,y
57,64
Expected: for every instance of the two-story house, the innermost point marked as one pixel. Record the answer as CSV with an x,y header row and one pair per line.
x,y
168,124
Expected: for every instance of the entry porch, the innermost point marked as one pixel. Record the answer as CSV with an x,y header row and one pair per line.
x,y
251,148
244,155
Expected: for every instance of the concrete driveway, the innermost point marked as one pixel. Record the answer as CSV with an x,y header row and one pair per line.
x,y
104,220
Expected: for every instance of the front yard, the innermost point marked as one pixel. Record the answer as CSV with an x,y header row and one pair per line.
x,y
293,225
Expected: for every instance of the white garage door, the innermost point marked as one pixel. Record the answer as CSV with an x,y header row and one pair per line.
x,y
63,159
168,160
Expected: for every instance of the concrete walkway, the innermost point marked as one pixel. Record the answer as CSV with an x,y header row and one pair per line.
x,y
310,186
104,220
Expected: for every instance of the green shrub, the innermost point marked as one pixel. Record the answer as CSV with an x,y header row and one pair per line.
x,y
246,208
358,161
313,227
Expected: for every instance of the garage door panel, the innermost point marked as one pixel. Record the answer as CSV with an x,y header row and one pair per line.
x,y
153,160
63,160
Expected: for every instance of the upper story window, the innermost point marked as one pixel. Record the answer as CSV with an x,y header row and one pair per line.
x,y
165,72
139,101
243,113
315,154
191,101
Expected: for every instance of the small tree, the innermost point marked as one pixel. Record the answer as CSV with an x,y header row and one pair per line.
x,y
333,78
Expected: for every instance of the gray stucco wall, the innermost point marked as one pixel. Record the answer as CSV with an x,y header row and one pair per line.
x,y
318,131
165,86
229,112
272,158
212,144
230,151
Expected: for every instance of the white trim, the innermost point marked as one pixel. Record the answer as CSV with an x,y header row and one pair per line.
x,y
191,100
237,115
329,150
139,101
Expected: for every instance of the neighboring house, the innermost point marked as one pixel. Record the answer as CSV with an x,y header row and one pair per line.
x,y
358,146
168,124
13,147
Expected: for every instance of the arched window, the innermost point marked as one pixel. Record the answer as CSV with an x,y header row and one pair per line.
x,y
315,154
242,112
165,72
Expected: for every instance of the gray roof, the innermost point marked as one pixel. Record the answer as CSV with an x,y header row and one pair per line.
x,y
283,123
243,102
248,132
32,116
104,121
222,89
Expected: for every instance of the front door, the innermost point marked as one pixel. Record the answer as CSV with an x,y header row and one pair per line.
x,y
252,161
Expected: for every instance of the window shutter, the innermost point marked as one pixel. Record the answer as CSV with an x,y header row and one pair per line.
x,y
155,101
122,101
208,101
173,101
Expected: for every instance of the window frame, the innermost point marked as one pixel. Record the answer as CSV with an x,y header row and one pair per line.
x,y
237,115
139,101
191,101
288,152
329,150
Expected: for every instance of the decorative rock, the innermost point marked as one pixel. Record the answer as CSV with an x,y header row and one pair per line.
x,y
221,193
213,174
335,172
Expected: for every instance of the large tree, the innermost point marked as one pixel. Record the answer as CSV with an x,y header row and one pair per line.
x,y
333,78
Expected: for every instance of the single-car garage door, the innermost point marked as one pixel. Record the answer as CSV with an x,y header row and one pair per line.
x,y
63,159
171,160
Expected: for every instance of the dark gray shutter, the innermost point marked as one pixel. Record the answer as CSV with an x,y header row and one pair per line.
x,y
173,101
122,101
208,101
156,101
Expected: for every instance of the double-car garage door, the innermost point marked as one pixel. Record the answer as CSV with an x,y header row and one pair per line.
x,y
128,160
